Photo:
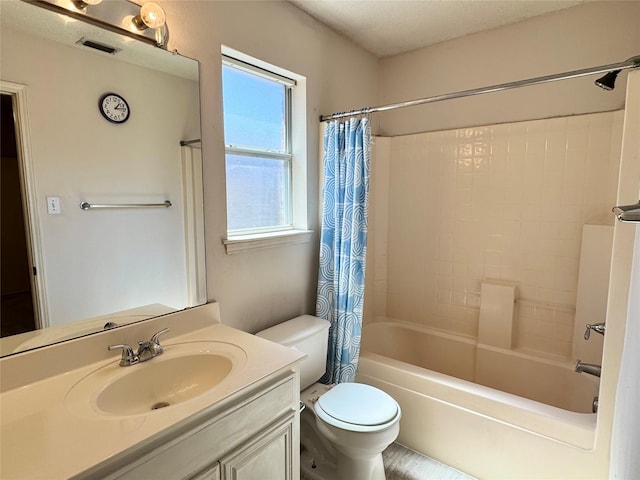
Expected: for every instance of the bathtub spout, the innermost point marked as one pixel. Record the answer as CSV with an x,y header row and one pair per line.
x,y
589,368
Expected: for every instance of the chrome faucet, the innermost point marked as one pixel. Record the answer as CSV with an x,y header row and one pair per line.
x,y
589,368
146,350
596,327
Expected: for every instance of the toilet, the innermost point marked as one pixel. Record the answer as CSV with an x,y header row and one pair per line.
x,y
343,428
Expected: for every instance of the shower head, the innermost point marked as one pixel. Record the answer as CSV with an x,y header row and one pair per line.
x,y
608,81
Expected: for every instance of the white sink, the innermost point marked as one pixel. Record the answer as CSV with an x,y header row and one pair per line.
x,y
183,372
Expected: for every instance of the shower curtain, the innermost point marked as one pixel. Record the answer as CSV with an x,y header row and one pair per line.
x,y
343,242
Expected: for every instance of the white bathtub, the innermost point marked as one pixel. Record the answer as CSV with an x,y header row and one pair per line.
x,y
487,432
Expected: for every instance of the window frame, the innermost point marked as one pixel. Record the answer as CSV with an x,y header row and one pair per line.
x,y
295,228
265,153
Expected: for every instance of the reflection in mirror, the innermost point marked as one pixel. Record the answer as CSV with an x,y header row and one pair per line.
x,y
66,271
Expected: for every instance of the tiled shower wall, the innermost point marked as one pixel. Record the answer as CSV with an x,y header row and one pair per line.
x,y
451,208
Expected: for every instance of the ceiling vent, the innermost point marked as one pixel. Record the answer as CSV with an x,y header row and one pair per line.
x,y
98,46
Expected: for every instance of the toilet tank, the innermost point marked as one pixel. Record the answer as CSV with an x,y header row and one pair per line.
x,y
307,334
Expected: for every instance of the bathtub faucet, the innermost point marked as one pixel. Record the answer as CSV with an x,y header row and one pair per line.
x,y
589,368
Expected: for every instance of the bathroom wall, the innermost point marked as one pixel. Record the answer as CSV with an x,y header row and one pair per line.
x,y
596,33
375,300
504,202
259,288
263,287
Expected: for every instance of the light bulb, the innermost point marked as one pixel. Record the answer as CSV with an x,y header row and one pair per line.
x,y
151,16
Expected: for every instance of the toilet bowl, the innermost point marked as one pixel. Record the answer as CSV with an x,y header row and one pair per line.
x,y
344,428
360,421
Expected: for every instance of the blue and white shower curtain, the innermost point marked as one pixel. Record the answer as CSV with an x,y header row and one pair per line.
x,y
343,242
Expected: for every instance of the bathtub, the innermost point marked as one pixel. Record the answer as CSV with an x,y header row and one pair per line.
x,y
484,410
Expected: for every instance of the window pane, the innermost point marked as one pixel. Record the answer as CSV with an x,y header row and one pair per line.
x,y
254,111
257,192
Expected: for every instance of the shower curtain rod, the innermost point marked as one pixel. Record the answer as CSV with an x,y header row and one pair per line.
x,y
633,62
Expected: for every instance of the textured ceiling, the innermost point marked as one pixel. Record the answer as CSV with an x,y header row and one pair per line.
x,y
390,27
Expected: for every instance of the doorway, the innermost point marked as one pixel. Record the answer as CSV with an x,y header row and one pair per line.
x,y
16,304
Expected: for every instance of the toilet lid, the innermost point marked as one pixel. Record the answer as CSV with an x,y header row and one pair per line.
x,y
358,404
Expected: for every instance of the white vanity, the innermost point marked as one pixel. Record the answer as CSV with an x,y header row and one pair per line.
x,y
233,413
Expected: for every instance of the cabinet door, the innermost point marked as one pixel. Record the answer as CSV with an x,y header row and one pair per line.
x,y
268,456
210,473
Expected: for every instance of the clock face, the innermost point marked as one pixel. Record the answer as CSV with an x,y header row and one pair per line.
x,y
114,108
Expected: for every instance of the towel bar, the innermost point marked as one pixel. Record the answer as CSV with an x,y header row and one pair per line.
x,y
87,205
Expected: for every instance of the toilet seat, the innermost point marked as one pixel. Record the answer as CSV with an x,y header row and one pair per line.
x,y
357,407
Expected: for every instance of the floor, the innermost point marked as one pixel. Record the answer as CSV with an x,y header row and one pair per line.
x,y
400,463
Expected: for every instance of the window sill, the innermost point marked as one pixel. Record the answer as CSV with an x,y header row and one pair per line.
x,y
243,243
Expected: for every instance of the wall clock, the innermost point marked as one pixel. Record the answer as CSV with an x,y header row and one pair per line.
x,y
114,108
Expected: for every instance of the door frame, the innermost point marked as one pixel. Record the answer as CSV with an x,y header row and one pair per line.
x,y
18,93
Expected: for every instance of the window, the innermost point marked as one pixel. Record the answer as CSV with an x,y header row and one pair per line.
x,y
265,155
257,126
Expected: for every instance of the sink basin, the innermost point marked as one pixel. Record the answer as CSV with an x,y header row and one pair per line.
x,y
183,372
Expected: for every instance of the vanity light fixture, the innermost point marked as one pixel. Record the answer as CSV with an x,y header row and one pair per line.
x,y
146,22
151,16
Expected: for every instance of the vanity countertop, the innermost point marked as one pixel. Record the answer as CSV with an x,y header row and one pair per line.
x,y
42,438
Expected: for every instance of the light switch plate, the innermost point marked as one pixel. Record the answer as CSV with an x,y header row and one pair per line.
x,y
53,205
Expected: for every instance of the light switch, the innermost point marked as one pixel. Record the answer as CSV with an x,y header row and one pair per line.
x,y
53,205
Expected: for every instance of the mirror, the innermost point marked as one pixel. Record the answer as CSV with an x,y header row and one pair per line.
x,y
83,270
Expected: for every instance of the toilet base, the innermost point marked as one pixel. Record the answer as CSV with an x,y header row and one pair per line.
x,y
333,453
317,456
363,468
320,461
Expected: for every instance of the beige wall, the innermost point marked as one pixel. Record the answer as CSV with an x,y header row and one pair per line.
x,y
259,288
593,34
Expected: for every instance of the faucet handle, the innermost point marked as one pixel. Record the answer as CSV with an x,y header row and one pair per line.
x,y
151,348
156,336
128,357
596,327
